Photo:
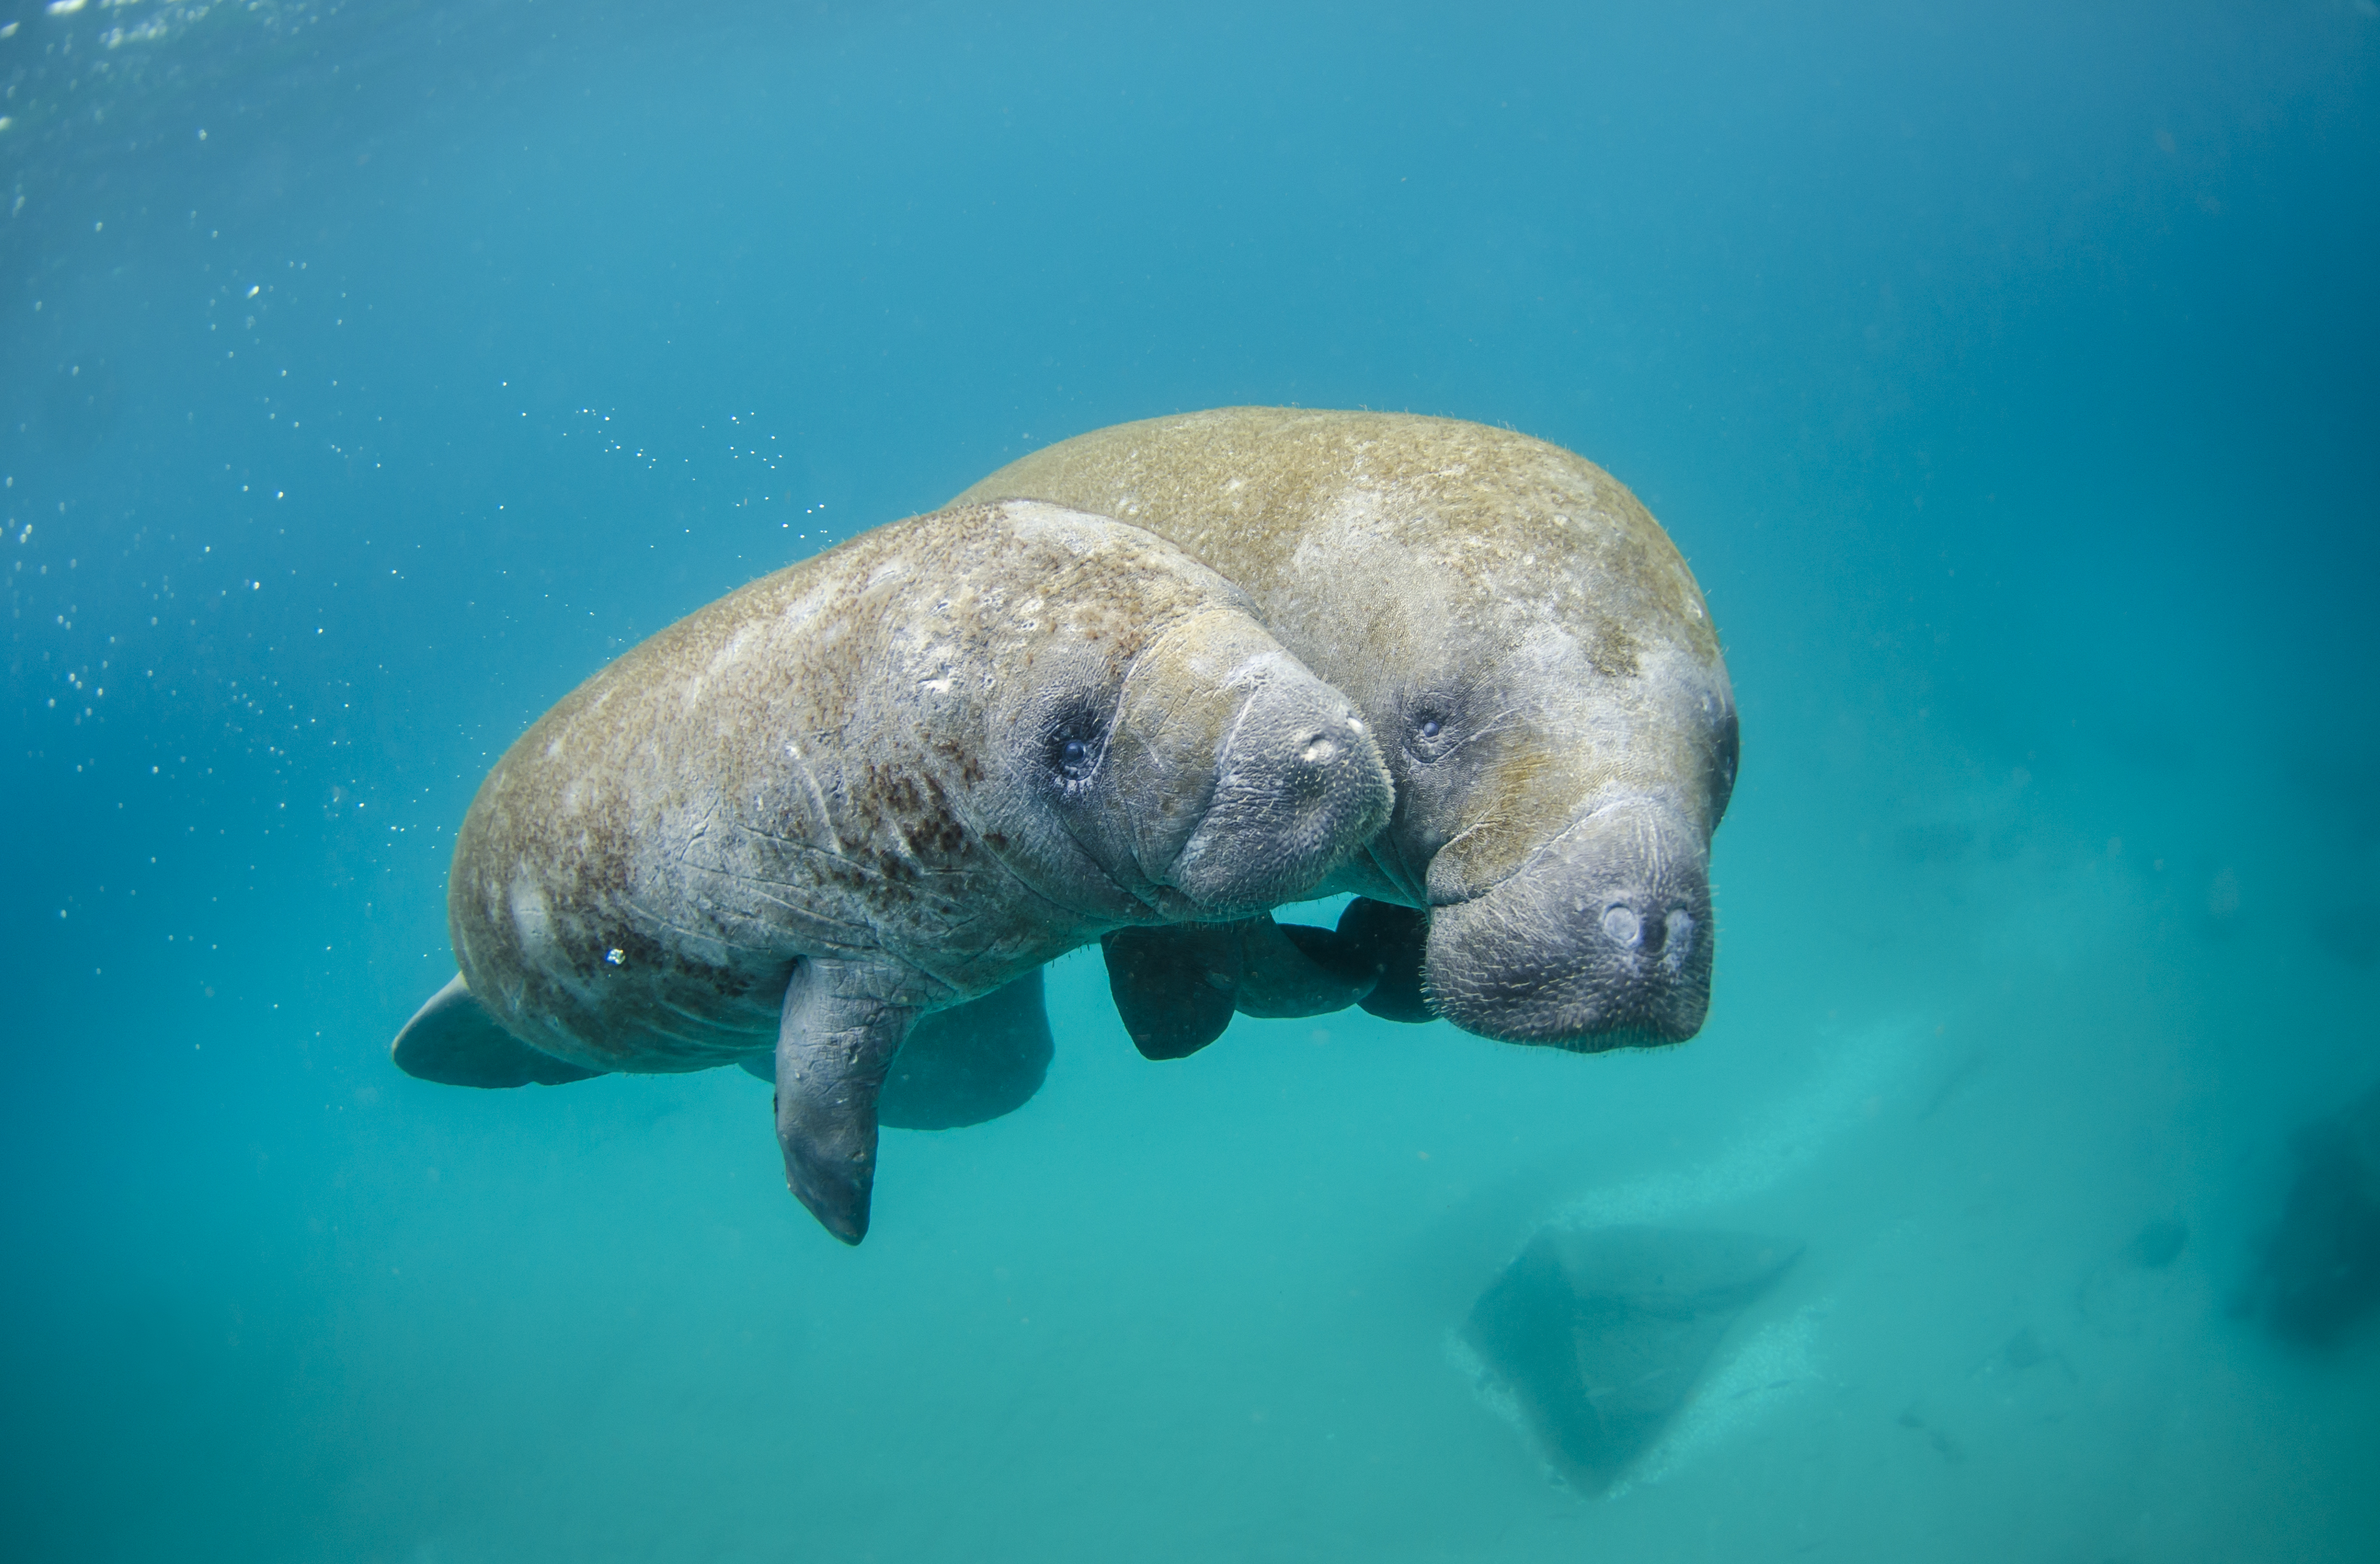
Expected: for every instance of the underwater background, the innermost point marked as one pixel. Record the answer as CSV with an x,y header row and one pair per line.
x,y
370,374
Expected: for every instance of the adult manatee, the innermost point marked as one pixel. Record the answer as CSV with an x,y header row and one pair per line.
x,y
1543,677
890,780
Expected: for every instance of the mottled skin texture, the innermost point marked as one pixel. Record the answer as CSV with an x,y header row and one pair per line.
x,y
1533,656
886,781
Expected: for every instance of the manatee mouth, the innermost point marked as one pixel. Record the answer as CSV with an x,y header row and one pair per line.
x,y
1301,785
1601,941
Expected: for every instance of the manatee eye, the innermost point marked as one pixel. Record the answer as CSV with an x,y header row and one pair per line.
x,y
1427,732
1071,750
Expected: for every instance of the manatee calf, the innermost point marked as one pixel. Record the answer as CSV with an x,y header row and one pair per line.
x,y
1541,674
890,780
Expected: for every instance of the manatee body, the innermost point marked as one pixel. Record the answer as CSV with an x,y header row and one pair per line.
x,y
894,779
1540,671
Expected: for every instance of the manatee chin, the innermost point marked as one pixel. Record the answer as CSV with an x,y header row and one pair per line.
x,y
1601,941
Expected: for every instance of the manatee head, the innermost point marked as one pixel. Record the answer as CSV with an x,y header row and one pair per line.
x,y
1158,757
1563,739
1601,936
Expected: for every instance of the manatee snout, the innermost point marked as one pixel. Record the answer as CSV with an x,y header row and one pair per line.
x,y
1601,941
1300,785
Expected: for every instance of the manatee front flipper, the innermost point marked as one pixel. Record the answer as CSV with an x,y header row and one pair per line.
x,y
1173,987
835,1042
965,1065
455,1041
1289,969
971,1062
1393,942
1177,988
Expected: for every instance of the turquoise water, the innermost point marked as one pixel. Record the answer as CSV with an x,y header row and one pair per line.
x,y
371,374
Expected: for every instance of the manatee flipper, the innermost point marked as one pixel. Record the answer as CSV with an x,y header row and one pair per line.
x,y
453,1041
1177,988
1173,987
965,1065
1395,941
835,1043
1290,969
971,1062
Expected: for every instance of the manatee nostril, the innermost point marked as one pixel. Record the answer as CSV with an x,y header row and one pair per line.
x,y
1318,751
1621,924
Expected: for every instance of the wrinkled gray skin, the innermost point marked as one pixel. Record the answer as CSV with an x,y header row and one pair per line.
x,y
889,780
1534,657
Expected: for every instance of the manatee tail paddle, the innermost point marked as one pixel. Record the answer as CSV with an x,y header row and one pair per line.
x,y
453,1041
